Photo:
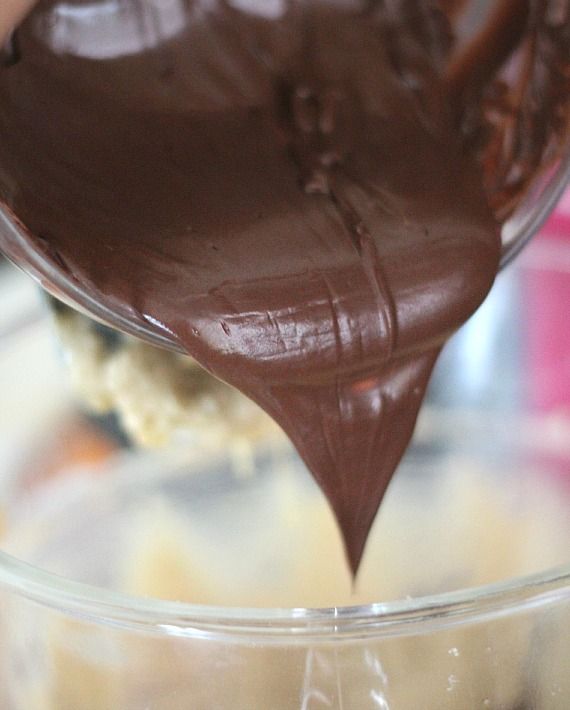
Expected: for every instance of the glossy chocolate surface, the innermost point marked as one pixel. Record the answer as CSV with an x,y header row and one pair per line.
x,y
290,188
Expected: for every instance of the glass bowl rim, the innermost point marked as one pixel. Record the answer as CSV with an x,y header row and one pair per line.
x,y
406,617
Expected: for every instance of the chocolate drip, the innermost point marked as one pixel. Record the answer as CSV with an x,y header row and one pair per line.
x,y
283,187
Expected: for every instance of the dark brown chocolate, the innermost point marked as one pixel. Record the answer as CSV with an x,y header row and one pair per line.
x,y
282,184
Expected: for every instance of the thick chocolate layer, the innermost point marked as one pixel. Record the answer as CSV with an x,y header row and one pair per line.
x,y
281,185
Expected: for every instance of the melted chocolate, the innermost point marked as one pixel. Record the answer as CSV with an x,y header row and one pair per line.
x,y
281,185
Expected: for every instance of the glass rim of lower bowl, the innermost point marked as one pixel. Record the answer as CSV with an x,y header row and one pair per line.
x,y
284,626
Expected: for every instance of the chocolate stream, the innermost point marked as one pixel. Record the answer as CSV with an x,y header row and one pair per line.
x,y
284,189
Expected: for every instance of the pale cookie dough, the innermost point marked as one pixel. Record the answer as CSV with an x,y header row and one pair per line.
x,y
156,394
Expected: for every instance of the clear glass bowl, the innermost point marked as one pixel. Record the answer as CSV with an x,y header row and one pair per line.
x,y
145,25
201,578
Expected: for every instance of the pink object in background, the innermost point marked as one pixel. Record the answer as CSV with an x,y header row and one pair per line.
x,y
546,312
558,226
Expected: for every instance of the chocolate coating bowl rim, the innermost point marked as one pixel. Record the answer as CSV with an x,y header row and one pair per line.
x,y
278,626
16,245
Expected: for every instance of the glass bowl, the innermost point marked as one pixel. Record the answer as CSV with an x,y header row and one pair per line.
x,y
147,26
